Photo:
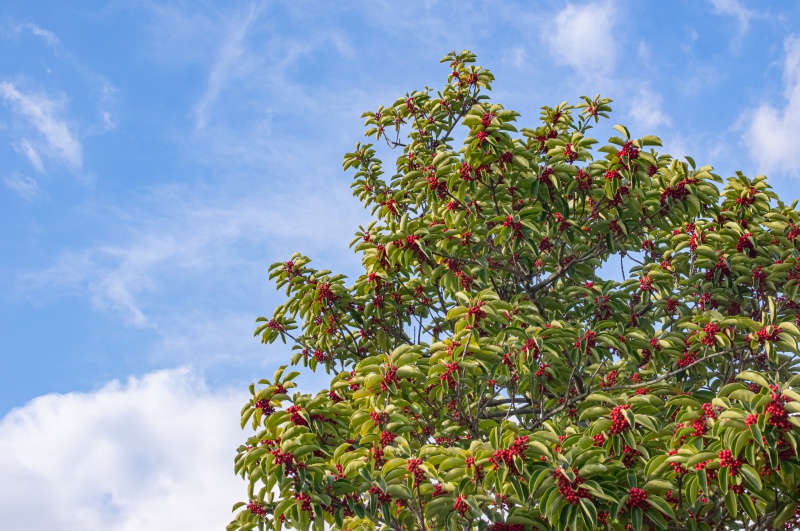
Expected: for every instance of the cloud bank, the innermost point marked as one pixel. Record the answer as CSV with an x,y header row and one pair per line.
x,y
153,453
773,133
584,39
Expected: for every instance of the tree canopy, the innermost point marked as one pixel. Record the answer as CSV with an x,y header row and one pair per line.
x,y
484,375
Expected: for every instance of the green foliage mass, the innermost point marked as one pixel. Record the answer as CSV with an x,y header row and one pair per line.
x,y
485,376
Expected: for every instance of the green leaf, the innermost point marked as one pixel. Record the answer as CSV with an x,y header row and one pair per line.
x,y
661,505
731,504
636,517
589,510
599,396
783,515
591,469
658,484
624,130
753,377
650,140
751,476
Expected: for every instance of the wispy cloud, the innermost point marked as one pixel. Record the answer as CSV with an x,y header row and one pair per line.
x,y
179,240
647,109
96,85
130,456
229,58
515,56
735,9
48,36
32,154
42,115
26,187
773,133
584,38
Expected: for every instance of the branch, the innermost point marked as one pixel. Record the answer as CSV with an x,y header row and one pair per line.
x,y
570,401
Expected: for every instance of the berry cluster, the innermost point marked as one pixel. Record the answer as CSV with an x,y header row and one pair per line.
x,y
646,283
256,508
670,497
377,455
636,498
767,334
414,468
687,359
744,244
726,459
476,310
672,305
711,330
678,468
700,426
379,417
542,371
387,438
295,417
383,497
628,151
710,411
339,472
590,338
778,417
461,505
619,420
304,499
571,490
609,379
517,448
569,153
447,376
284,458
629,456
389,378
500,526
516,227
265,407
677,192
334,396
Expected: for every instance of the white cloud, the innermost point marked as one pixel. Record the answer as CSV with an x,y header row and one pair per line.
x,y
153,453
773,134
515,56
48,36
643,50
230,54
26,187
42,115
677,145
180,240
646,110
96,86
585,39
30,152
735,9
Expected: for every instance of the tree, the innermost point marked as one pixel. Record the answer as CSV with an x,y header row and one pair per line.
x,y
485,376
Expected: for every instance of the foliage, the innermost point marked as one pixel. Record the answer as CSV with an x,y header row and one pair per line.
x,y
484,374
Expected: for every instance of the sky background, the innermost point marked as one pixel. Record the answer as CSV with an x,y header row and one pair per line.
x,y
156,157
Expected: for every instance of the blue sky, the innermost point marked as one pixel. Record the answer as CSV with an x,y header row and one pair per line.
x,y
156,157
